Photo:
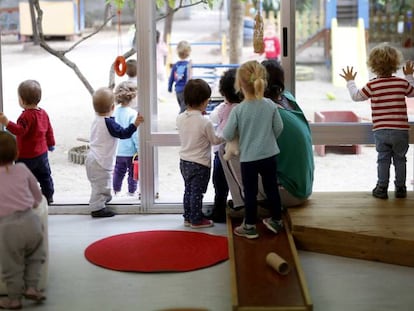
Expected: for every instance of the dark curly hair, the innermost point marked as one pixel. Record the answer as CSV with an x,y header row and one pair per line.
x,y
226,86
275,79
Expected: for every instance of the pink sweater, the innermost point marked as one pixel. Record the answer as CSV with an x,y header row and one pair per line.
x,y
19,190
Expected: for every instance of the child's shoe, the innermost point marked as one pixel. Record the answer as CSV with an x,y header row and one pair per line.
x,y
104,212
400,192
380,192
10,304
273,225
246,231
33,294
203,223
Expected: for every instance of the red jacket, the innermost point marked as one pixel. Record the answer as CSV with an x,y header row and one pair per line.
x,y
34,133
272,47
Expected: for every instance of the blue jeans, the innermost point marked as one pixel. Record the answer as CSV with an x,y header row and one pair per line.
x,y
391,145
267,168
196,178
181,102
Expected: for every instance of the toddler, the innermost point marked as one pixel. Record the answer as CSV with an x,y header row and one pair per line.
x,y
389,114
197,136
257,121
34,135
103,144
124,115
219,117
22,251
181,72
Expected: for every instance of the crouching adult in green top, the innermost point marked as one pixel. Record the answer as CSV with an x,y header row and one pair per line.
x,y
295,165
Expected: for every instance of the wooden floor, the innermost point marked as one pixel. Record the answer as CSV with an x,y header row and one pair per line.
x,y
357,225
255,285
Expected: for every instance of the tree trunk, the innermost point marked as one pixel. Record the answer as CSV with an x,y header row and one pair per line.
x,y
168,21
236,31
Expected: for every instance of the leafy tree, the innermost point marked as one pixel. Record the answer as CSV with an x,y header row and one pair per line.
x,y
173,6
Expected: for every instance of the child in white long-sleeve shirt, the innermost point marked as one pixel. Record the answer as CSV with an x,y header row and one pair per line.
x,y
197,137
103,143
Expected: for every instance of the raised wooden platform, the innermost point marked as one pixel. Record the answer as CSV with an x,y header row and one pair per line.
x,y
255,285
357,225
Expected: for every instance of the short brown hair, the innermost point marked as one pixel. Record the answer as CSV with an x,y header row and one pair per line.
x,y
131,68
196,92
30,92
103,100
8,148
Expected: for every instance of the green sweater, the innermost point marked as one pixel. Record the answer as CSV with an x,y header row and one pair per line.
x,y
295,164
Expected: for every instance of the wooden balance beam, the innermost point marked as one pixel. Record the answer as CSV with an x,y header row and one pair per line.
x,y
356,225
255,285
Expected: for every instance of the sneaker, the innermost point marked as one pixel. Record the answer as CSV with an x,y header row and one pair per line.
x,y
273,225
203,223
104,212
400,191
380,192
243,231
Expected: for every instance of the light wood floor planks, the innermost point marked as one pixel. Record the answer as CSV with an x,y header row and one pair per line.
x,y
357,225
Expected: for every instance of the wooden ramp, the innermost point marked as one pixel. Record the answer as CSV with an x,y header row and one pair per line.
x,y
255,285
357,225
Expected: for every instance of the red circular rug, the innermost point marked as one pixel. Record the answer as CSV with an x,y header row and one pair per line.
x,y
158,251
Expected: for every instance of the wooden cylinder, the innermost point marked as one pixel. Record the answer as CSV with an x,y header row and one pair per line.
x,y
277,263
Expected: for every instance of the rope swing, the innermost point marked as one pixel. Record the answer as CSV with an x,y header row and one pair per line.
x,y
120,63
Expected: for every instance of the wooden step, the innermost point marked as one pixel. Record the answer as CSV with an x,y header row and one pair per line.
x,y
257,286
357,225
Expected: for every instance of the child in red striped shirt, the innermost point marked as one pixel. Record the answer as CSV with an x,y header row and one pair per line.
x,y
387,94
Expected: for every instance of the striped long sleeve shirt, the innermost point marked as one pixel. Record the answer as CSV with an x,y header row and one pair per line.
x,y
388,104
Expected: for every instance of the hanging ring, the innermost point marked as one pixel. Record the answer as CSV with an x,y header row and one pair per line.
x,y
120,66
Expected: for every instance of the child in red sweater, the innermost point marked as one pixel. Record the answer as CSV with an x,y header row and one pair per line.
x,y
34,135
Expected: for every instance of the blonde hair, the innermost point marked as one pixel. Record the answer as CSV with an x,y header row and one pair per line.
x,y
183,49
125,92
251,79
384,60
103,100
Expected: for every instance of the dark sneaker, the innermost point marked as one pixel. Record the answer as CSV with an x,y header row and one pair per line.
x,y
187,223
204,223
400,192
273,225
243,231
104,212
218,215
380,192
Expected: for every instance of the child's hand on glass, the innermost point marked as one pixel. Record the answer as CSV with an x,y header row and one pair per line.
x,y
139,120
3,119
408,69
348,74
